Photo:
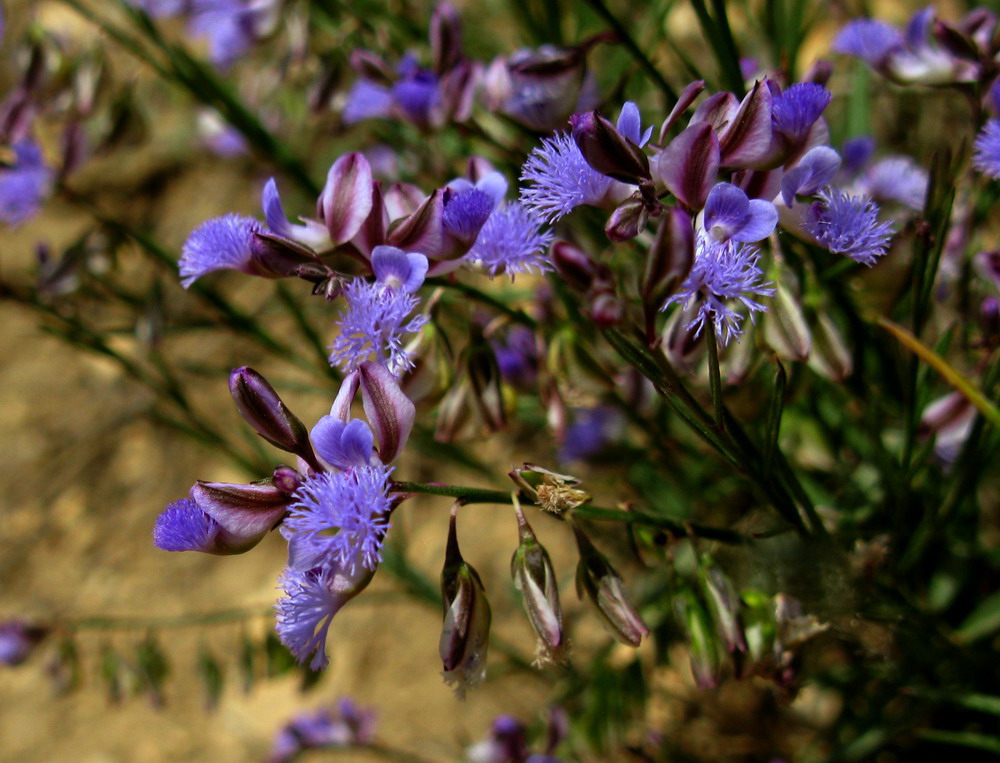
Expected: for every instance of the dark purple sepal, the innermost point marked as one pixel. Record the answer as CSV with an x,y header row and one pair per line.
x,y
684,101
607,150
274,256
371,66
688,165
262,408
446,37
718,110
746,141
955,41
245,511
423,230
346,200
374,231
629,219
458,88
390,412
484,376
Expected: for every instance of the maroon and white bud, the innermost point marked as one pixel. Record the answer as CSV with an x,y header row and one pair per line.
x,y
347,197
465,633
830,356
689,165
535,578
603,586
785,327
629,219
262,409
670,258
574,266
726,606
446,37
390,412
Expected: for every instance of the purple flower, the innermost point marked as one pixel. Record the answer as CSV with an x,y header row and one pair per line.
x,y
857,152
870,40
312,598
794,111
345,726
25,185
896,178
465,212
375,325
560,179
339,520
815,170
722,271
222,243
512,242
986,156
183,526
231,27
591,432
367,100
17,641
399,270
517,357
416,93
343,444
848,225
729,214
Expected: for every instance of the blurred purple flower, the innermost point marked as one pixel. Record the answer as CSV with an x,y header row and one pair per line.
x,y
848,225
870,40
25,185
986,158
517,357
347,725
18,640
593,430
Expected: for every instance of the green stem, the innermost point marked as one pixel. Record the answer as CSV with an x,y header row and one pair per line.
x,y
518,316
715,376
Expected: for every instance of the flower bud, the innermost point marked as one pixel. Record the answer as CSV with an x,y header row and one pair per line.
x,y
607,150
596,578
830,356
262,409
574,265
726,606
286,479
446,37
706,656
668,263
785,328
628,220
605,308
746,140
245,511
535,578
465,635
484,376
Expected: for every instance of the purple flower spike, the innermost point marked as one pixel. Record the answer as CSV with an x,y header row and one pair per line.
x,y
397,269
796,110
344,445
306,610
848,225
869,39
986,158
339,519
512,242
559,179
222,243
815,170
24,187
729,214
722,271
184,527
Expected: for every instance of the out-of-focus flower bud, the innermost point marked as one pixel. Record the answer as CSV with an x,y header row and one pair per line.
x,y
949,420
607,150
446,37
605,308
726,606
989,314
506,743
785,327
262,409
682,341
465,636
574,265
830,356
629,219
535,578
346,200
538,88
668,263
388,409
18,640
758,626
706,653
794,627
689,164
596,578
484,376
